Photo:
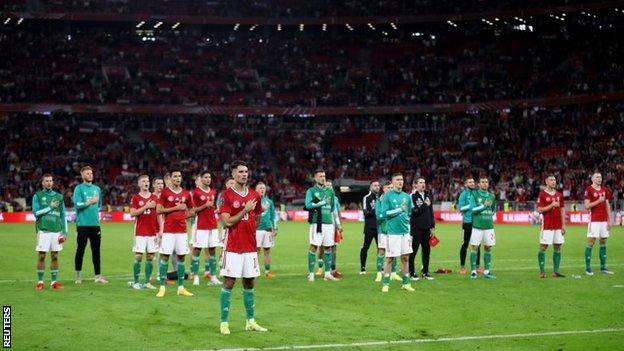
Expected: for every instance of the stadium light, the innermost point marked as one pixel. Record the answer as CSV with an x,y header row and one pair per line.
x,y
175,25
236,26
393,25
451,23
324,27
252,28
279,27
140,24
370,25
158,24
7,21
301,26
20,21
384,33
349,26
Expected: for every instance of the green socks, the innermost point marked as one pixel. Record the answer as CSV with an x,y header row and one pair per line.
x,y
320,263
487,261
267,267
226,297
588,253
473,260
40,274
195,265
556,261
149,267
311,261
603,257
212,262
386,279
327,258
405,279
380,259
54,274
136,270
250,304
541,258
162,271
181,270
394,265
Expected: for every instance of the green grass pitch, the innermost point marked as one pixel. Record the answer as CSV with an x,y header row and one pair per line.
x,y
548,314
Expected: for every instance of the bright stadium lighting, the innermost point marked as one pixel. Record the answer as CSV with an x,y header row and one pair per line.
x,y
393,26
20,21
417,34
384,33
252,28
140,24
349,26
157,25
175,25
370,25
279,27
301,26
7,21
451,23
236,26
324,27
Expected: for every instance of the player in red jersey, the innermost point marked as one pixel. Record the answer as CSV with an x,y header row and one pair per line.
x,y
597,202
550,205
177,205
240,211
146,228
205,234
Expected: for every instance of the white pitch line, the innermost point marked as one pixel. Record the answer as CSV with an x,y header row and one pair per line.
x,y
429,340
128,276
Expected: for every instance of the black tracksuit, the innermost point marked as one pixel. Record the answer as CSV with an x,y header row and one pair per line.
x,y
370,227
421,223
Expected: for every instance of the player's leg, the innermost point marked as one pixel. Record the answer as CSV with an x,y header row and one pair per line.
x,y
182,249
95,238
225,299
592,234
316,240
466,229
40,269
604,235
54,270
267,262
557,260
489,240
328,245
251,270
405,276
412,257
136,269
149,268
212,265
334,271
476,237
423,236
321,262
81,244
195,264
167,244
381,254
367,239
541,259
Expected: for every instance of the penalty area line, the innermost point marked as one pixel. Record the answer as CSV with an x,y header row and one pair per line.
x,y
428,340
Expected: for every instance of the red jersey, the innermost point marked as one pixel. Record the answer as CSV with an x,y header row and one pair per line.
x,y
145,224
598,212
205,219
175,222
241,236
552,218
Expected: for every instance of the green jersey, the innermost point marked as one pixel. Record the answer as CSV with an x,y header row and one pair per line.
x,y
465,203
87,215
49,219
267,219
396,207
323,198
381,221
482,214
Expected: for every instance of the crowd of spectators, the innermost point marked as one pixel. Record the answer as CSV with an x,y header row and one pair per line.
x,y
116,63
277,8
516,149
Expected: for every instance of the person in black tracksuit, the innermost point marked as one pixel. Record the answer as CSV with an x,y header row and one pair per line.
x,y
370,223
422,227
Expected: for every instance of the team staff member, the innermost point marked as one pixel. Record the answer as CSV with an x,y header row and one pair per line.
x,y
422,227
370,223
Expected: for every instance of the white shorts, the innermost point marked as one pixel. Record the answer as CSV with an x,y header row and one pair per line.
x,y
174,242
143,244
597,230
482,236
204,238
239,265
325,238
382,241
550,236
264,238
48,241
398,245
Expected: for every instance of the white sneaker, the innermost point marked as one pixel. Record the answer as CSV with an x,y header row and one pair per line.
x,y
427,277
329,276
362,272
195,279
311,277
101,280
414,278
78,278
149,286
214,281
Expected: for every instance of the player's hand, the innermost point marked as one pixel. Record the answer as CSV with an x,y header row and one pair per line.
x,y
487,203
428,202
151,204
563,231
250,206
210,203
62,238
54,204
181,206
608,225
339,227
432,232
602,198
404,207
95,199
555,204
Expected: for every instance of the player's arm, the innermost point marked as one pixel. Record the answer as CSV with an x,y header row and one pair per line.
x,y
388,213
230,221
309,201
544,209
562,218
190,208
608,214
63,218
589,204
273,217
367,208
479,209
79,201
160,209
432,218
463,203
417,211
134,211
36,207
100,198
161,223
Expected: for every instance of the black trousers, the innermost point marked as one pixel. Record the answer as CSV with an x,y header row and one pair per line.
x,y
92,234
420,237
467,229
368,239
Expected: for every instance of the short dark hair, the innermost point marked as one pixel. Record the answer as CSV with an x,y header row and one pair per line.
x,y
159,178
204,172
167,175
47,175
142,176
174,170
238,163
415,180
483,176
396,175
467,178
86,168
319,170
